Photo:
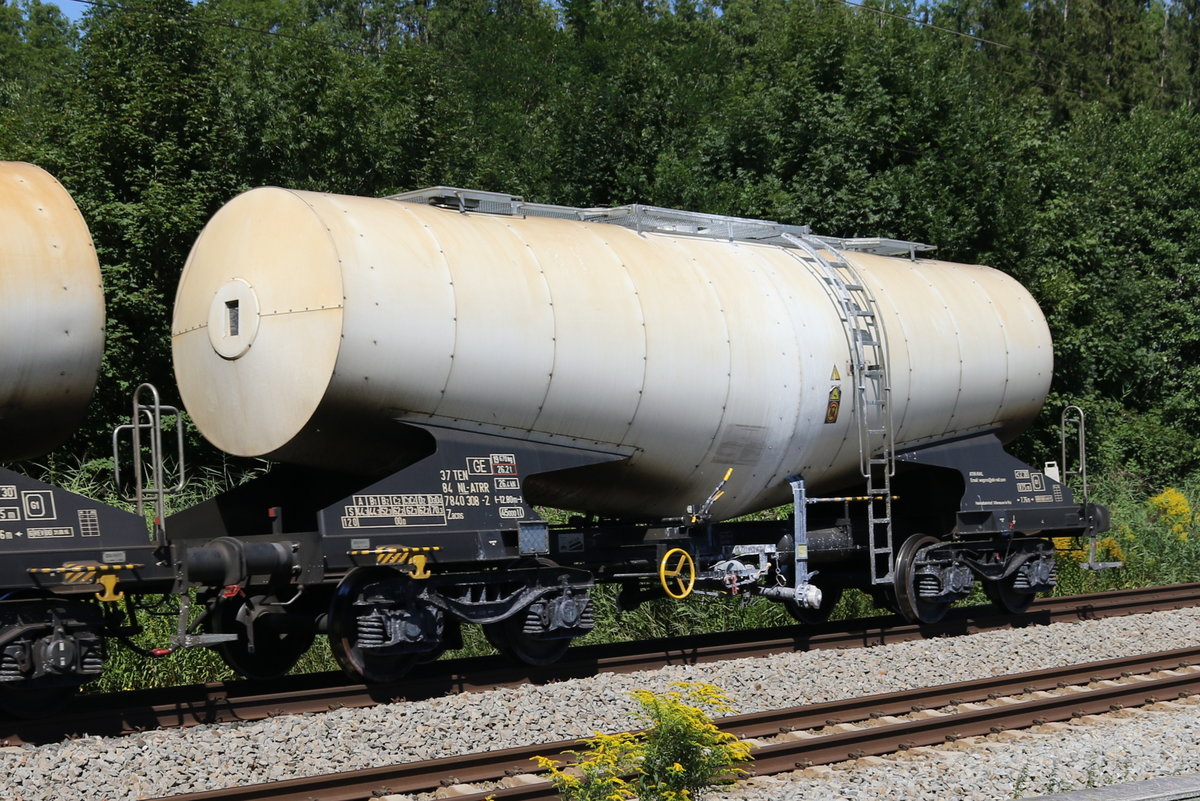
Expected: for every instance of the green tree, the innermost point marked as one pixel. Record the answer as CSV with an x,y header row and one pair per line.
x,y
1114,258
147,155
37,62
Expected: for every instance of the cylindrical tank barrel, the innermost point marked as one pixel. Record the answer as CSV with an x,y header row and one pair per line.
x,y
306,324
51,312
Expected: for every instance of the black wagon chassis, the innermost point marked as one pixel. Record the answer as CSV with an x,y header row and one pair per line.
x,y
70,563
390,567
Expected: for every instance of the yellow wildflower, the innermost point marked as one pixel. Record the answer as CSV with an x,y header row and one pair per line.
x,y
1172,508
1071,548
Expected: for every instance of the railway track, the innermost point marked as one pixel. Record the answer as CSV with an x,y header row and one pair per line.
x,y
800,736
123,713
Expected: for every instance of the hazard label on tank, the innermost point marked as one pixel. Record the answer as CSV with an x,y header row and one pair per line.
x,y
835,402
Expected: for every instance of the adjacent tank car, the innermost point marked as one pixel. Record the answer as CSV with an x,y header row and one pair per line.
x,y
61,551
431,366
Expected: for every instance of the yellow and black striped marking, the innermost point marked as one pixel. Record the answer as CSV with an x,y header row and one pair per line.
x,y
849,498
416,558
80,573
89,573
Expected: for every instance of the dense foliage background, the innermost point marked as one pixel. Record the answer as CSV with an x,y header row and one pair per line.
x,y
1057,140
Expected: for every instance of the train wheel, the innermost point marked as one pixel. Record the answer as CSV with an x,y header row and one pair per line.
x,y
829,599
509,637
908,602
358,663
279,640
1005,598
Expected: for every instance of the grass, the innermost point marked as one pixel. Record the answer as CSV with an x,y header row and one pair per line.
x,y
1154,533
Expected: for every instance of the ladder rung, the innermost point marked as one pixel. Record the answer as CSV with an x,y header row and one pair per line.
x,y
880,520
876,430
879,492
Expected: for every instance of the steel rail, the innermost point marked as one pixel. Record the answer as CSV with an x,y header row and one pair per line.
x,y
173,707
791,753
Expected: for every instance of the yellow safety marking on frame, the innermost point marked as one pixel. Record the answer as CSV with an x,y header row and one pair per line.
x,y
849,498
415,557
109,582
835,376
76,573
677,581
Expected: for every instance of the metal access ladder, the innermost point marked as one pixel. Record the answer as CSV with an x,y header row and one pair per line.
x,y
148,474
871,392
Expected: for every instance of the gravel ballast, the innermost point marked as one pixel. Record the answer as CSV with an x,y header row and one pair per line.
x,y
1125,747
1128,746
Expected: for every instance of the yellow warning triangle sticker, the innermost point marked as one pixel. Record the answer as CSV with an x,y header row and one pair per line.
x,y
836,375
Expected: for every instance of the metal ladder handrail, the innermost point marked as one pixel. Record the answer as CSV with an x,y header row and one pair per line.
x,y
852,311
147,416
859,312
1072,421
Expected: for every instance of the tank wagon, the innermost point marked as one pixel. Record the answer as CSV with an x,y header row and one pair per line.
x,y
63,554
428,368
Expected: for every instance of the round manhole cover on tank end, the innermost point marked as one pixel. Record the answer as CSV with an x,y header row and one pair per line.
x,y
233,319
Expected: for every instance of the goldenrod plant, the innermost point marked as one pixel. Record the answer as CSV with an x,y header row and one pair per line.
x,y
1153,535
677,757
1172,509
599,772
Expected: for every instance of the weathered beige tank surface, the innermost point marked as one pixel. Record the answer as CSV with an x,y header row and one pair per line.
x,y
52,320
307,324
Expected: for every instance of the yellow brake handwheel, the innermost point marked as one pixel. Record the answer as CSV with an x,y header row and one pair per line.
x,y
677,573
